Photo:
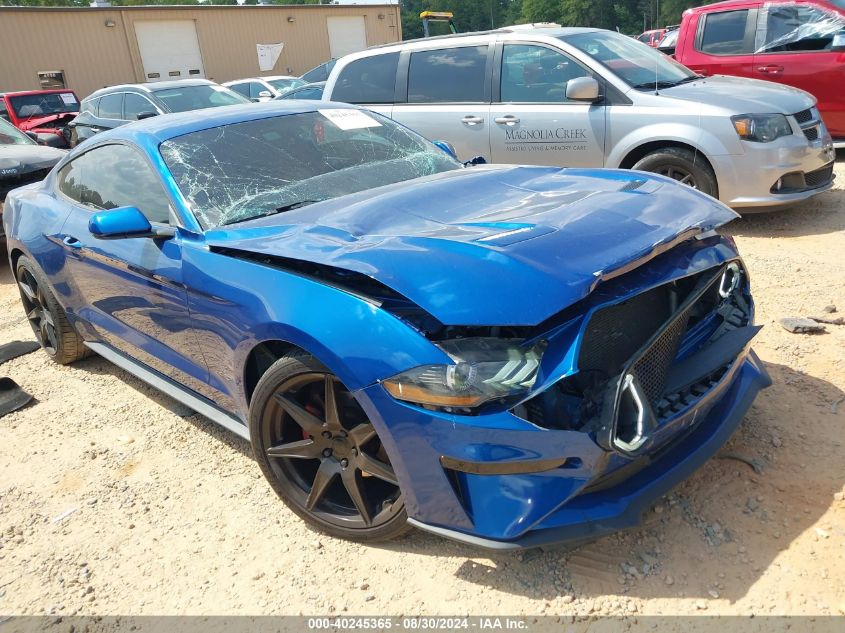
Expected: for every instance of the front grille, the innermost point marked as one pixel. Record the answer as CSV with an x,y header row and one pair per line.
x,y
819,177
651,368
812,133
804,116
7,184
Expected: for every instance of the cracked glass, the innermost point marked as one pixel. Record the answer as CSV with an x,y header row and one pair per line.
x,y
252,169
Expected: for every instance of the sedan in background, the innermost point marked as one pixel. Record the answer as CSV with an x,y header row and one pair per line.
x,y
118,105
22,161
264,88
308,92
508,356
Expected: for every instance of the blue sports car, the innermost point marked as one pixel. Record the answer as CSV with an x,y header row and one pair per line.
x,y
508,356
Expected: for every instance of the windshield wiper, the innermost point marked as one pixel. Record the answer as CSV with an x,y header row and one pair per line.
x,y
652,85
285,207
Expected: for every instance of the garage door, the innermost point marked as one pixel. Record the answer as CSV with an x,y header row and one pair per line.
x,y
169,49
347,34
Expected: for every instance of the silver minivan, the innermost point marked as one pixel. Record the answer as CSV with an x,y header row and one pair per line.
x,y
579,97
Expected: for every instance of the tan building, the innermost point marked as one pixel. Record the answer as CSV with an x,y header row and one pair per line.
x,y
89,48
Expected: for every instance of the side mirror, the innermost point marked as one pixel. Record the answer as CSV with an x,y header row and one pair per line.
x,y
447,147
582,89
475,160
265,94
146,115
124,222
838,45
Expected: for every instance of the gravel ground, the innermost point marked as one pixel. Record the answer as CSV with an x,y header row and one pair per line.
x,y
115,499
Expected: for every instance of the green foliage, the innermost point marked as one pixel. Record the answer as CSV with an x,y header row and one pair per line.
x,y
628,16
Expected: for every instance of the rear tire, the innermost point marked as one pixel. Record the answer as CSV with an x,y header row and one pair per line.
x,y
321,454
47,318
685,166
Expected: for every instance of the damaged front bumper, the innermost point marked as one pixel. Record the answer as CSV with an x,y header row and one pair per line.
x,y
519,477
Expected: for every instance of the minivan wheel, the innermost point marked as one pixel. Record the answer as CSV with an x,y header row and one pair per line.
x,y
682,165
47,318
320,453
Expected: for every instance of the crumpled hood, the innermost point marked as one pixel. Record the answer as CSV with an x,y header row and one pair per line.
x,y
37,121
493,245
25,158
743,95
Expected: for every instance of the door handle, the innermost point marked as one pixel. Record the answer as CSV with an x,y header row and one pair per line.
x,y
770,69
71,241
471,119
508,119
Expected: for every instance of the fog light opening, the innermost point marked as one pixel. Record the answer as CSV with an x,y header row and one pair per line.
x,y
630,421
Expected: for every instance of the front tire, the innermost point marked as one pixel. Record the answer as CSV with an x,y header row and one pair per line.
x,y
321,455
687,167
47,318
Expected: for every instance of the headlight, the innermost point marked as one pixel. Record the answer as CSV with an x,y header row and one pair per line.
x,y
761,128
485,369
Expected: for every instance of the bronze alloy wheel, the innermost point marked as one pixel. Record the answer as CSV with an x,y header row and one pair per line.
x,y
322,455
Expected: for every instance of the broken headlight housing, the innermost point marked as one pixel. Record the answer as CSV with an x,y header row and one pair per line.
x,y
485,369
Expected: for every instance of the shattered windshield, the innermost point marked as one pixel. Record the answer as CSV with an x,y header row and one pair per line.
x,y
640,66
247,170
37,105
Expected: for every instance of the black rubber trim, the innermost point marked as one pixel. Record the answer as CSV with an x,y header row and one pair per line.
x,y
501,468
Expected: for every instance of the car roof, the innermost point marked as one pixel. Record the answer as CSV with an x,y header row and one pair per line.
x,y
155,130
151,86
537,28
265,78
725,4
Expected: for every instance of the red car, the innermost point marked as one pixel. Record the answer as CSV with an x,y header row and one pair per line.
x,y
652,38
800,43
43,112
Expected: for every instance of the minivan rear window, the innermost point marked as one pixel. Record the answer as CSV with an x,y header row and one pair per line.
x,y
368,80
448,75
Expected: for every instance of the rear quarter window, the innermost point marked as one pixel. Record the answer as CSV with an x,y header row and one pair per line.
x,y
724,33
368,80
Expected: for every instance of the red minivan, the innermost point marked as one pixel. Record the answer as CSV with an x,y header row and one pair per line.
x,y
796,42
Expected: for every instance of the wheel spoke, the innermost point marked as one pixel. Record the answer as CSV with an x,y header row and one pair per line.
x,y
354,485
310,423
686,179
34,314
330,405
377,468
326,473
303,449
362,434
47,317
27,290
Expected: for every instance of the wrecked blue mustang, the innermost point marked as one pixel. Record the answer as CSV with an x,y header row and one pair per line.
x,y
507,356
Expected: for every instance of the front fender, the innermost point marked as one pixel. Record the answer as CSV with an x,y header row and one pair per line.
x,y
237,304
702,140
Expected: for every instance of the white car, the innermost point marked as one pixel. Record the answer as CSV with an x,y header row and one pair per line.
x,y
264,88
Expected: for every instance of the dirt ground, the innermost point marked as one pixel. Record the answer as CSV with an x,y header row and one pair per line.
x,y
115,499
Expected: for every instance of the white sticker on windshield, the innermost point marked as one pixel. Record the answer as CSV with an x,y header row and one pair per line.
x,y
69,99
349,119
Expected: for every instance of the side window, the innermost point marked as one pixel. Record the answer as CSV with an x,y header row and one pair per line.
x,y
134,104
644,38
113,176
4,113
241,89
795,27
536,74
255,88
724,33
368,80
111,106
448,75
89,106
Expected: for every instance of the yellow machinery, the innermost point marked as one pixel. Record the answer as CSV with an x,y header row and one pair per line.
x,y
428,17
